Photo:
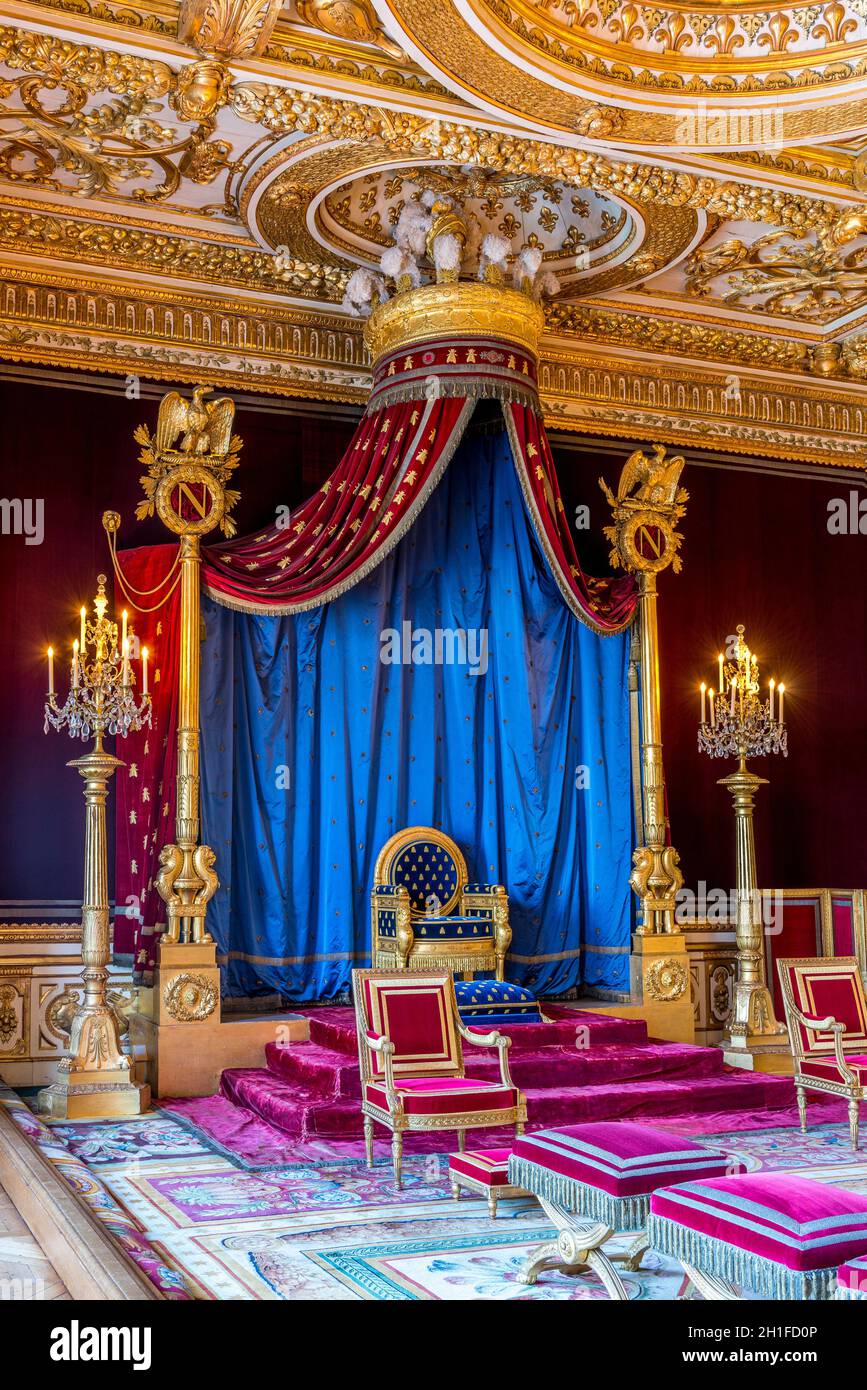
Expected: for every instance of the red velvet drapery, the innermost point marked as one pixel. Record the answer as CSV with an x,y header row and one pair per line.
x,y
419,409
146,784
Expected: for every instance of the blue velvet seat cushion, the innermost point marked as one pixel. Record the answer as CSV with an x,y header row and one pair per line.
x,y
454,928
495,1001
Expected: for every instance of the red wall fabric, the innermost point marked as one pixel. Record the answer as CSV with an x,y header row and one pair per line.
x,y
757,551
74,450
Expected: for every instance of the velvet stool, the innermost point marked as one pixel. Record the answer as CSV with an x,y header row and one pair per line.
x,y
595,1181
779,1235
485,1171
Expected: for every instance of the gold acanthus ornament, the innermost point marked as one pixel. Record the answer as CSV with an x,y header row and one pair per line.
x,y
228,28
348,19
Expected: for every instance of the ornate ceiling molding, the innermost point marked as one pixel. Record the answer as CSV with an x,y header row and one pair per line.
x,y
643,67
146,184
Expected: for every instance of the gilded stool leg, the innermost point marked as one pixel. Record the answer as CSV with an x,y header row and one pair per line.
x,y
519,1128
631,1258
802,1107
368,1140
462,1140
853,1123
492,1204
397,1155
456,1190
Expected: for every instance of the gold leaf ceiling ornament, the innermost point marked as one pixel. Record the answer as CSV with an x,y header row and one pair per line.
x,y
531,61
348,19
228,28
808,277
108,145
407,134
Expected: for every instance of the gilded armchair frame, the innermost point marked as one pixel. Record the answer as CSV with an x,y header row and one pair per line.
x,y
395,1118
848,1086
406,950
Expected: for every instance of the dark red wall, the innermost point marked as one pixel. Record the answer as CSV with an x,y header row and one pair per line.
x,y
74,449
757,551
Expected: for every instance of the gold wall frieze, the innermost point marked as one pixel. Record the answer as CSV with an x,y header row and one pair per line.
x,y
689,404
681,336
170,334
314,355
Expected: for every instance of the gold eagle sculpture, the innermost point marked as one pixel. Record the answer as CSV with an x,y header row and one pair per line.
x,y
205,426
652,482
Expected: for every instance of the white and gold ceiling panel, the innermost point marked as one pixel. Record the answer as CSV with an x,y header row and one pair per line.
x,y
752,73
185,189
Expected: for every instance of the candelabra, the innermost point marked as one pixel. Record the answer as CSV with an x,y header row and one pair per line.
x,y
737,723
95,1079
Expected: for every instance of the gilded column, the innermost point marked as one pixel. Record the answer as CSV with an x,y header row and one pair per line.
x,y
648,504
190,458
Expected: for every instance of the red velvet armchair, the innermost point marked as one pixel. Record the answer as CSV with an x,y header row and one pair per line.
x,y
411,1060
826,1013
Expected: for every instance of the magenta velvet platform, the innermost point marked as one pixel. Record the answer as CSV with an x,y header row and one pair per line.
x,y
578,1068
607,1171
780,1235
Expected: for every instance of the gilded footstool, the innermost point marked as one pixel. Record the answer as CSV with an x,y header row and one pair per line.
x,y
595,1181
779,1235
852,1279
485,1171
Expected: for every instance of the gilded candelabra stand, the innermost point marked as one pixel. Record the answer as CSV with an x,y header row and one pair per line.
x,y
737,723
95,1079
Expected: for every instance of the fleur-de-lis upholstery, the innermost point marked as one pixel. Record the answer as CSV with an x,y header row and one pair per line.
x,y
412,1067
826,1013
425,913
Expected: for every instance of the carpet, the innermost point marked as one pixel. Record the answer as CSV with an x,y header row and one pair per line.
x,y
326,1228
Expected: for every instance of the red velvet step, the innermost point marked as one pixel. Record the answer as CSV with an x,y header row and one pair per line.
x,y
303,1112
335,1028
335,1074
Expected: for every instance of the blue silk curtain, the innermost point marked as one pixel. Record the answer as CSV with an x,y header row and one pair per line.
x,y
314,752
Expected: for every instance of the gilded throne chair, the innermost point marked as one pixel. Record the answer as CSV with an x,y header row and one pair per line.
x,y
425,914
826,1014
410,1037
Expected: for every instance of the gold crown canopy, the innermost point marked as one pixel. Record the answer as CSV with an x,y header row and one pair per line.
x,y
466,309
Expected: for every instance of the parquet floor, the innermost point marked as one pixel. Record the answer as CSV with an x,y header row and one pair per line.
x,y
25,1270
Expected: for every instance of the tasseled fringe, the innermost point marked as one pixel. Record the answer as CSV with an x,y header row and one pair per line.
x,y
620,1213
469,390
846,1294
713,1256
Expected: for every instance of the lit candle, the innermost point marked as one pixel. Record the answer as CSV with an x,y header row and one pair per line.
x,y
782,690
712,709
51,670
773,684
703,697
125,676
123,633
144,670
722,684
734,693
75,664
83,641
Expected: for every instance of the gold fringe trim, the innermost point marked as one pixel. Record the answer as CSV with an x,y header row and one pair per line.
x,y
514,392
282,609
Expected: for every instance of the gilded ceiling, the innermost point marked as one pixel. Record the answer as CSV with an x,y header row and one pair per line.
x,y
185,190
